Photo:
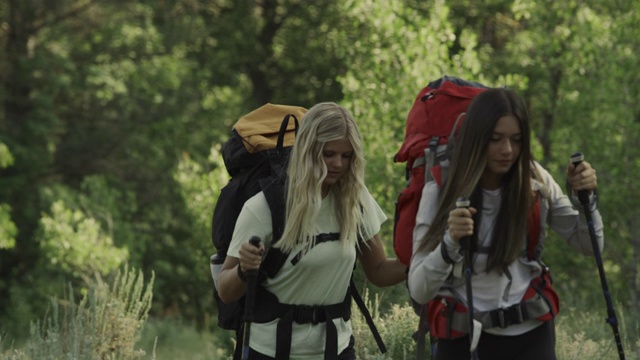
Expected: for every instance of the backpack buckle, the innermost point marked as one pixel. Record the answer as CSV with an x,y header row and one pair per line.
x,y
512,315
433,143
304,314
498,318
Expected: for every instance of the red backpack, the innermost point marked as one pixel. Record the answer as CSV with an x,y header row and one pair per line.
x,y
436,113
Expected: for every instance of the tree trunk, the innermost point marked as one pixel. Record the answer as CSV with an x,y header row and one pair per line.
x,y
17,182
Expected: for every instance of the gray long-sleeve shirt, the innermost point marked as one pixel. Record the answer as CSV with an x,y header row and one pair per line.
x,y
429,274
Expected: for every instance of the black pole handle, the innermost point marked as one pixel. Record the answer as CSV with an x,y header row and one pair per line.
x,y
465,243
583,195
249,303
255,241
252,276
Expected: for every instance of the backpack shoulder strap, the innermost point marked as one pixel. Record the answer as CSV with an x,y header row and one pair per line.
x,y
541,193
535,227
275,195
353,290
355,295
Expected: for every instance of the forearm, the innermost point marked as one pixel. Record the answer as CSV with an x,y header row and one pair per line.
x,y
575,230
231,287
387,273
572,225
427,273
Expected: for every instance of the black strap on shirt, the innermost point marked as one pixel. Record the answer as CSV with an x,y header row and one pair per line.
x,y
269,309
320,238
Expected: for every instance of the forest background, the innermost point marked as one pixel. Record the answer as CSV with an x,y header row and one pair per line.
x,y
113,112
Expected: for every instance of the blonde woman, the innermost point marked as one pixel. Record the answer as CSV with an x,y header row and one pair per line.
x,y
331,219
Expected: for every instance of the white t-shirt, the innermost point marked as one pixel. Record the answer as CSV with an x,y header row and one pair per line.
x,y
321,277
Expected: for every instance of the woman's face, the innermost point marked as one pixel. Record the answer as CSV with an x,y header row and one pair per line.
x,y
337,156
503,151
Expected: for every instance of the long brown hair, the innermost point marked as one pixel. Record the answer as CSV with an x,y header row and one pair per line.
x,y
467,166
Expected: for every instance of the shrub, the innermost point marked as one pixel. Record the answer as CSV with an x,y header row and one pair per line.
x,y
396,328
105,324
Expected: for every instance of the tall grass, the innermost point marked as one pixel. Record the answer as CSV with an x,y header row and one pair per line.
x,y
110,322
173,339
105,324
580,335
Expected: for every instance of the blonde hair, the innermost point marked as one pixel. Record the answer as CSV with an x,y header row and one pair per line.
x,y
307,170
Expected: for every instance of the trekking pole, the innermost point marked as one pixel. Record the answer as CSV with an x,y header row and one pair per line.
x,y
583,196
465,243
249,303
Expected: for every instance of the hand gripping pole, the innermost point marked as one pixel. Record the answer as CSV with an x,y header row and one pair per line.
x,y
249,303
475,327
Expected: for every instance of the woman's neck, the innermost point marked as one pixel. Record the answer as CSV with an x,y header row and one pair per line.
x,y
324,191
490,181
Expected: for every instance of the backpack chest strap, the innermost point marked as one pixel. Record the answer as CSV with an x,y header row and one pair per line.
x,y
515,314
320,238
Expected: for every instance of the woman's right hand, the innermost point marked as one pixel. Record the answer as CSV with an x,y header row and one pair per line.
x,y
250,257
460,223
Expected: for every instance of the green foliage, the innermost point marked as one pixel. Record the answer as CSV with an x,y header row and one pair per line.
x,y
8,230
200,188
396,326
583,335
6,159
269,42
87,230
77,243
105,324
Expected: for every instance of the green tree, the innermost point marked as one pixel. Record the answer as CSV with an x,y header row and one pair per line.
x,y
100,94
112,96
110,111
8,229
270,41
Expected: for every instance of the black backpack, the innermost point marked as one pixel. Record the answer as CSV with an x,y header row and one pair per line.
x,y
255,157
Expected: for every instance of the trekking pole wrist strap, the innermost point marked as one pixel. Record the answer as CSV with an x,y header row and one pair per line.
x,y
573,197
445,254
241,274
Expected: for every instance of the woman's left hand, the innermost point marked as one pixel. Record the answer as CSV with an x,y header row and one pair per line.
x,y
582,176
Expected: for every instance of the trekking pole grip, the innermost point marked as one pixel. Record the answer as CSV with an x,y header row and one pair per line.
x,y
463,202
583,195
249,304
252,276
465,243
